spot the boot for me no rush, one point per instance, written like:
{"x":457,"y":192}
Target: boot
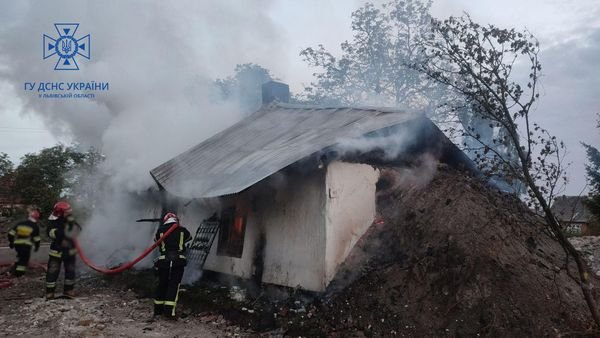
{"x":49,"y":295}
{"x":69,"y":294}
{"x":169,"y":313}
{"x":158,"y":309}
{"x":170,"y":317}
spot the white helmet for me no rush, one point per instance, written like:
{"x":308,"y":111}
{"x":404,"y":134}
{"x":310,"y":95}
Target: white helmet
{"x":170,"y":218}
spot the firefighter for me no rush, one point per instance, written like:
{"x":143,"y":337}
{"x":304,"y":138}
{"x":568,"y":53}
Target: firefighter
{"x":170,"y":265}
{"x":22,"y":237}
{"x":62,"y":229}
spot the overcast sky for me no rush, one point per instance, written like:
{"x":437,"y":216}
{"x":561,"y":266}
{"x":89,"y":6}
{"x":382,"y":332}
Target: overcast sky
{"x":569,"y":32}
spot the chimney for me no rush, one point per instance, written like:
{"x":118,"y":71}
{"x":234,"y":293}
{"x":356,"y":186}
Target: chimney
{"x":272,"y":91}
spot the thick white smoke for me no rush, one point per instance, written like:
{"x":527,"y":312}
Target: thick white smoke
{"x":159,"y":59}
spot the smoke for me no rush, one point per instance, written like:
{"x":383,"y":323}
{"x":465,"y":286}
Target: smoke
{"x":415,"y":177}
{"x":191,"y":276}
{"x":402,"y":147}
{"x":160,"y":59}
{"x":391,"y":145}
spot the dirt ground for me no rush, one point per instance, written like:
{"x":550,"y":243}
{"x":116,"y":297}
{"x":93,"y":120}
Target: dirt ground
{"x":102,"y":309}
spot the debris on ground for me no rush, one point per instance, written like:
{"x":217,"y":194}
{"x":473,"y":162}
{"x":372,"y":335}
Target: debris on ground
{"x":589,"y":246}
{"x":101,"y":310}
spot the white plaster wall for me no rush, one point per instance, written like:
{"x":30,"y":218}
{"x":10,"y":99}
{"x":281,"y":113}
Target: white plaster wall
{"x":310,"y":224}
{"x":291,"y":214}
{"x":350,"y":209}
{"x":294,"y":227}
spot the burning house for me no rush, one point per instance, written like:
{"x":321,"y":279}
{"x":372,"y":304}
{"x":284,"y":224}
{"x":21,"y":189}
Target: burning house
{"x":295,"y":186}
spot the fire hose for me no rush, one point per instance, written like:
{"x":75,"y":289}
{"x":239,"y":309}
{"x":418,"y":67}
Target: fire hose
{"x":125,"y":266}
{"x":4,"y":283}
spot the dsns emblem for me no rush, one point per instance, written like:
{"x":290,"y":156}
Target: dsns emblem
{"x":66,"y":46}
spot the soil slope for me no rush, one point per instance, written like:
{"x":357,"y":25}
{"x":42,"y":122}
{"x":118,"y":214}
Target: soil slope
{"x":455,"y":257}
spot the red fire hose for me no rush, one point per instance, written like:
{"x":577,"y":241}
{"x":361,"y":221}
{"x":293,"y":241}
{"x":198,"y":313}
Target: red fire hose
{"x":4,"y":283}
{"x":126,"y":266}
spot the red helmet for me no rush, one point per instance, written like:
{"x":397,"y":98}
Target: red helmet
{"x":34,"y":214}
{"x":60,"y":209}
{"x":170,"y":218}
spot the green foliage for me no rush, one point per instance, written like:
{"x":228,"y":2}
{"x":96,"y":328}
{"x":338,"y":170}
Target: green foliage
{"x":244,"y":86}
{"x":6,"y":181}
{"x":6,"y":165}
{"x":45,"y":177}
{"x":592,"y":169}
{"x":376,"y":65}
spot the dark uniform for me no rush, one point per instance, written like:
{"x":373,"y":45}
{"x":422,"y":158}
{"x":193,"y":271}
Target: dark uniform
{"x":22,"y":237}
{"x":170,"y":265}
{"x":62,"y":250}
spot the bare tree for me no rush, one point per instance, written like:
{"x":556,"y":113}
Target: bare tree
{"x":478,"y":63}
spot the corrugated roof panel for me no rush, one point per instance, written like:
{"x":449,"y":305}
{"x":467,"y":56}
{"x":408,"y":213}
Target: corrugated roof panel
{"x":571,"y":209}
{"x":264,"y":143}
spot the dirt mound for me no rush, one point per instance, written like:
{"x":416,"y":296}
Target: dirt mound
{"x":454,"y":258}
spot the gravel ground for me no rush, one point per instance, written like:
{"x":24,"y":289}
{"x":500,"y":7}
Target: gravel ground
{"x":589,"y":246}
{"x":100,"y":311}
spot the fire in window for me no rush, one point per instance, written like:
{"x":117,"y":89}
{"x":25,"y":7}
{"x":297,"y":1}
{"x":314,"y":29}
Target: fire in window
{"x":231,"y":233}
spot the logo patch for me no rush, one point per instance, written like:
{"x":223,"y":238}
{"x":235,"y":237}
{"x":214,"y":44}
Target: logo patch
{"x":66,"y":46}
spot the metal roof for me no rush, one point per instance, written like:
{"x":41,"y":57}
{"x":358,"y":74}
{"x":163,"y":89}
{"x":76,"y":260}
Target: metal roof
{"x":265,"y":142}
{"x":571,"y":209}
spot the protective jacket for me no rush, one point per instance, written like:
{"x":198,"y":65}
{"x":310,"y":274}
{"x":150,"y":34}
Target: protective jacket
{"x":61,"y":231}
{"x":172,"y":249}
{"x":26,"y":233}
{"x":22,"y":237}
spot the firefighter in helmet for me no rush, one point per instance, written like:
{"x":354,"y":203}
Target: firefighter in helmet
{"x":22,"y":237}
{"x":62,"y":229}
{"x":170,"y":265}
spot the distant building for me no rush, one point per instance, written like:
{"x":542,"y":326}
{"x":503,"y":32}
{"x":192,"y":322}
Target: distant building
{"x":573,"y":215}
{"x":9,"y":201}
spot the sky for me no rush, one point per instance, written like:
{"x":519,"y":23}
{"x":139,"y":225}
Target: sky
{"x":218,"y":35}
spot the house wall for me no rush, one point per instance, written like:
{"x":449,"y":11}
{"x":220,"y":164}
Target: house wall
{"x":310,"y":222}
{"x":576,"y":228}
{"x":350,"y":209}
{"x":294,"y":227}
{"x":289,"y":211}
